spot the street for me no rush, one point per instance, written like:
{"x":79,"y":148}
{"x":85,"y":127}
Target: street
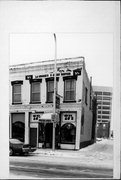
{"x":55,"y":167}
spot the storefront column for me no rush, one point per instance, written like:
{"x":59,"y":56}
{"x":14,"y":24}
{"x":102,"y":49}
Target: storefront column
{"x":26,"y":136}
{"x":78,"y":127}
{"x":10,"y":126}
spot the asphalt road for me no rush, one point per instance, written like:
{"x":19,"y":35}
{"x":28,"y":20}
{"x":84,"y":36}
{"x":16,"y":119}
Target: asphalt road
{"x":55,"y":167}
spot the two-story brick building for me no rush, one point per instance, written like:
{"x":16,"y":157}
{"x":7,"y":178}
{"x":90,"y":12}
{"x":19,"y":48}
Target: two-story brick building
{"x":31,"y":103}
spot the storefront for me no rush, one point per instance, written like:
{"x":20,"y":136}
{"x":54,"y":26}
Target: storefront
{"x":68,"y":130}
{"x":41,"y":130}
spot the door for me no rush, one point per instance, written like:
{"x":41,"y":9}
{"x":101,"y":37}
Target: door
{"x":48,"y":135}
{"x":33,"y":136}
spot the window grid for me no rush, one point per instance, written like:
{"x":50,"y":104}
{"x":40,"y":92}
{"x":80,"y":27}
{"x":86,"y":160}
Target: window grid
{"x":50,"y":90}
{"x":17,"y":93}
{"x":70,"y":88}
{"x":35,"y":92}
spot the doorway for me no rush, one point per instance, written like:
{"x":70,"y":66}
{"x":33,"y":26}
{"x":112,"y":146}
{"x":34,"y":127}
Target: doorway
{"x":48,"y":135}
{"x":33,"y":137}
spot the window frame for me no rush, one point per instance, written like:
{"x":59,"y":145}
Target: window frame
{"x":74,"y":90}
{"x":31,"y":82}
{"x":48,"y":80}
{"x":64,"y":136}
{"x":15,"y":83}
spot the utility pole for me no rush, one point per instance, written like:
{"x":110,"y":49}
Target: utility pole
{"x":54,"y":97}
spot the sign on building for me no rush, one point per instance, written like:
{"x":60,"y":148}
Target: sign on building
{"x":69,"y":117}
{"x":55,"y":118}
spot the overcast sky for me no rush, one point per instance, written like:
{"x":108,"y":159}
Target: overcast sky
{"x":82,"y":29}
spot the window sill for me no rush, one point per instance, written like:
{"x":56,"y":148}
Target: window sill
{"x":35,"y":103}
{"x":69,"y":101}
{"x":16,"y":103}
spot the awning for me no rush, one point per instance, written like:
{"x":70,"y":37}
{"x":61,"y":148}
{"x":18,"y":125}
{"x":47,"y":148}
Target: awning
{"x":46,"y":117}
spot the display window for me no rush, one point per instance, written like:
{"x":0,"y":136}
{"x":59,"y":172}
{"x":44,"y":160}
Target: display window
{"x":68,"y":133}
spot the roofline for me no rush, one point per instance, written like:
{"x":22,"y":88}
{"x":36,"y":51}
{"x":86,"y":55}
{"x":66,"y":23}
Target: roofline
{"x":46,"y":62}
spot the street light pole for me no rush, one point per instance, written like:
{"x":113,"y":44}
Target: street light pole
{"x":54,"y":98}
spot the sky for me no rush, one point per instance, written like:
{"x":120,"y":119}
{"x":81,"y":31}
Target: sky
{"x":92,"y":38}
{"x":97,"y":49}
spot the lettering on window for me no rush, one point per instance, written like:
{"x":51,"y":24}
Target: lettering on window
{"x":68,"y":117}
{"x":36,"y":117}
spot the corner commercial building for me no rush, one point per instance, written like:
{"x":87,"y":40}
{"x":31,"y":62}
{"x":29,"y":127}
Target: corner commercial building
{"x":31,"y":104}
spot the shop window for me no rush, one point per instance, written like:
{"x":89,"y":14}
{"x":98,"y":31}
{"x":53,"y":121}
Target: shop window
{"x":18,"y":126}
{"x":70,"y":90}
{"x":68,"y":133}
{"x":35,"y":92}
{"x":18,"y":130}
{"x":16,"y":91}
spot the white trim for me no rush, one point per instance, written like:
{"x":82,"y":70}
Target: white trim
{"x":67,"y":146}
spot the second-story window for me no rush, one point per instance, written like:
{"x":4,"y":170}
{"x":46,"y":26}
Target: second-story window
{"x":16,"y":92}
{"x":69,"y":90}
{"x":35,"y":92}
{"x":50,"y":88}
{"x":50,"y":91}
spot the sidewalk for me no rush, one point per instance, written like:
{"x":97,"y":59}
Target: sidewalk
{"x":99,"y":154}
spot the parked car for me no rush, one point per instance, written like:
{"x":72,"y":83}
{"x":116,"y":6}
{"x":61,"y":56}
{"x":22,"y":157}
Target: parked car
{"x":18,"y":147}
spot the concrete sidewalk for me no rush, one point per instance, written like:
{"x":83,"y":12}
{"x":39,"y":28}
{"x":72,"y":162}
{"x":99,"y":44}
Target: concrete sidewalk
{"x":99,"y":154}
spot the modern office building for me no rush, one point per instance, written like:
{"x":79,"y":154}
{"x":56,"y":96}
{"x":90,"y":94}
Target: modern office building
{"x":31,"y":104}
{"x":104,"y":110}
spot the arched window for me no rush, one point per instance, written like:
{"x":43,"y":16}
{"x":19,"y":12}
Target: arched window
{"x":18,"y":130}
{"x":68,"y":133}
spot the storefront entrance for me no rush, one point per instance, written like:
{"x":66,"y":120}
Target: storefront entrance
{"x":33,"y":136}
{"x":46,"y":135}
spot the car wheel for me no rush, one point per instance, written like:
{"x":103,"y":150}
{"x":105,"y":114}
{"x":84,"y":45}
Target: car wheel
{"x":10,"y":152}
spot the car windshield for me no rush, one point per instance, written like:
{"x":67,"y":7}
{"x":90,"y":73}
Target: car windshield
{"x":15,"y":141}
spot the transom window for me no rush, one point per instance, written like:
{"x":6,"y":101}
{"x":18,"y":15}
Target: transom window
{"x":70,"y":90}
{"x":35,"y":92}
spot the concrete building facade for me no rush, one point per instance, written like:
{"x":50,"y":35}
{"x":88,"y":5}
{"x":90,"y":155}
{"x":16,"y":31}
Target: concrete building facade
{"x":31,"y":103}
{"x":104,"y":110}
